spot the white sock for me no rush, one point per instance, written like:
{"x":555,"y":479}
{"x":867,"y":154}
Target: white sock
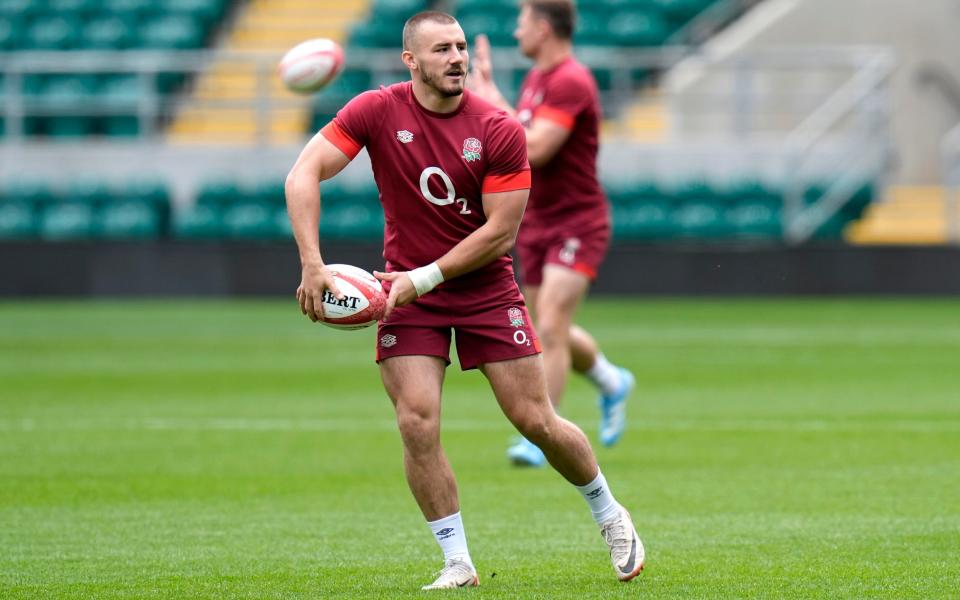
{"x":604,"y":375}
{"x":599,"y":498}
{"x":449,"y":533}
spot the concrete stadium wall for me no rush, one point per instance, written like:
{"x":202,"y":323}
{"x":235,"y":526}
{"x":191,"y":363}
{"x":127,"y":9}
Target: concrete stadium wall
{"x":919,"y":33}
{"x":214,"y":269}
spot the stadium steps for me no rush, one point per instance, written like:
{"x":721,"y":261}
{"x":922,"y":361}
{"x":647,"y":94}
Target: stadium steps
{"x":910,"y":215}
{"x":646,"y":119}
{"x":266,"y":28}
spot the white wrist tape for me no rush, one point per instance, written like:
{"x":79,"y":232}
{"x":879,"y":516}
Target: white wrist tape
{"x":426,"y":278}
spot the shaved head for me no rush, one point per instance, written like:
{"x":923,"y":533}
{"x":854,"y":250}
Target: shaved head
{"x":413,"y":24}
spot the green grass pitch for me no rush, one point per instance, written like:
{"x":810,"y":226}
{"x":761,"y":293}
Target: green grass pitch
{"x":233,"y":449}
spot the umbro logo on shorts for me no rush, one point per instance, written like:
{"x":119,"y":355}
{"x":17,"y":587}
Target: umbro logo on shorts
{"x":388,"y":340}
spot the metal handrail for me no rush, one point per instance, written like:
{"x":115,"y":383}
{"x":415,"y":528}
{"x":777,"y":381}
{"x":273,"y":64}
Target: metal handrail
{"x":951,"y":178}
{"x":801,"y":222}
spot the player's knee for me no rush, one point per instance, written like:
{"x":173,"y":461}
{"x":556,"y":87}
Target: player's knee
{"x":419,"y":430}
{"x":553,"y":327}
{"x":535,"y":426}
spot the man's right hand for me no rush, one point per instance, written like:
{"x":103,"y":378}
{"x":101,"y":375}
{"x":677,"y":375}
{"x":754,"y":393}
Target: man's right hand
{"x":315,"y":280}
{"x":482,"y":63}
{"x":481,"y":80}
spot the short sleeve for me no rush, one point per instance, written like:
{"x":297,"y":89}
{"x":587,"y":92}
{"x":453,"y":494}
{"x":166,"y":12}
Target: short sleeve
{"x":355,"y":123}
{"x":507,"y":166}
{"x":565,"y":97}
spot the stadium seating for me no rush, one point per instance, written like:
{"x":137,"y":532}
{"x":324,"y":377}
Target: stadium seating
{"x":258,"y":211}
{"x":84,"y":209}
{"x":689,"y":210}
{"x":99,"y":25}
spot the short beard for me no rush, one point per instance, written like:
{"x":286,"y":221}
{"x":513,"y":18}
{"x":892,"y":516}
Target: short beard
{"x":446,"y":92}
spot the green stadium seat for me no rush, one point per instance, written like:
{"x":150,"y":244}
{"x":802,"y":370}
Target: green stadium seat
{"x":52,"y":33}
{"x":359,"y":191}
{"x":498,"y":27}
{"x":121,"y":92}
{"x":251,"y":220}
{"x":153,"y":193}
{"x":200,"y":222}
{"x":68,"y":92}
{"x":88,"y":191}
{"x":109,"y":33}
{"x":735,"y":190}
{"x":32,"y":192}
{"x":282,"y":225}
{"x":351,"y":222}
{"x":591,"y":26}
{"x":679,"y":12}
{"x":862,"y":198}
{"x":756,"y":218}
{"x":615,"y":5}
{"x":11,"y":33}
{"x":17,"y":220}
{"x":171,"y":33}
{"x":131,"y":11}
{"x":349,"y":83}
{"x":218,"y":193}
{"x":76,"y":9}
{"x":19,"y":9}
{"x":704,"y":220}
{"x":129,"y":219}
{"x":120,"y":126}
{"x":501,"y":6}
{"x":65,"y":220}
{"x":269,"y":192}
{"x":642,"y":219}
{"x":33,"y":84}
{"x":631,"y":28}
{"x":396,"y":10}
{"x":375,"y":34}
{"x":626,"y":190}
{"x":688,"y":190}
{"x":121,"y":89}
{"x":205,"y":12}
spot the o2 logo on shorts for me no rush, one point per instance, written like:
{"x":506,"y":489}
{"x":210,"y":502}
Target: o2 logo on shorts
{"x":520,"y":338}
{"x":516,"y":319}
{"x":451,"y":193}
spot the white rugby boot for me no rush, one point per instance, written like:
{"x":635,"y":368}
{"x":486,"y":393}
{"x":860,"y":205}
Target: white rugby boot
{"x":455,"y":574}
{"x":626,"y":549}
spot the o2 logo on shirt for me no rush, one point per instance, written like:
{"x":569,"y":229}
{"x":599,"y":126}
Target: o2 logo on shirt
{"x":448,"y":183}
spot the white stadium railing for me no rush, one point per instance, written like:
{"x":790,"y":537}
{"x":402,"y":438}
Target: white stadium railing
{"x":951,"y":179}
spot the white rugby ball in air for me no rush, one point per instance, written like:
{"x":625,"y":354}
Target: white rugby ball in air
{"x":311,"y":65}
{"x":363,"y":302}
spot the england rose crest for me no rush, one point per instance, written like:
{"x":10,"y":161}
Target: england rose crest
{"x":471,"y":149}
{"x":516,"y":316}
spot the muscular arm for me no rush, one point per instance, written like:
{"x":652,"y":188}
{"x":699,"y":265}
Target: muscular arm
{"x":319,"y":160}
{"x":491,"y":240}
{"x":544,"y":140}
{"x":488,"y":242}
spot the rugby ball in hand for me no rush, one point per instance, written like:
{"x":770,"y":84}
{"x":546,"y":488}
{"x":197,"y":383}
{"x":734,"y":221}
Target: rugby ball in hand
{"x":363,"y":299}
{"x":311,"y":65}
